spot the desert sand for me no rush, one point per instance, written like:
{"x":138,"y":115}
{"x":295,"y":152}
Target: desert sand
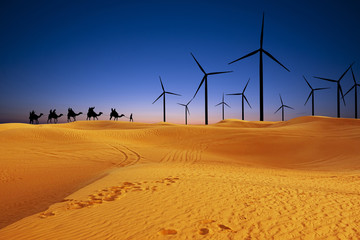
{"x":298,"y":179}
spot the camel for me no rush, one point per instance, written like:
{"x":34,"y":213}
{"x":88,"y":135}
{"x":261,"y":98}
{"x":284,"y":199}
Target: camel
{"x":92,"y":114}
{"x":33,"y":117}
{"x":115,"y":114}
{"x":72,"y":114}
{"x":53,"y":115}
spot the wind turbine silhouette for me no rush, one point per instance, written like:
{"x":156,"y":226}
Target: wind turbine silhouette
{"x":242,"y":98}
{"x":222,"y":103}
{"x":354,"y":87}
{"x":282,"y":107}
{"x":312,"y":94}
{"x":204,"y":79}
{"x":163,"y":94}
{"x":339,"y":89}
{"x":186,"y":109}
{"x":261,"y":51}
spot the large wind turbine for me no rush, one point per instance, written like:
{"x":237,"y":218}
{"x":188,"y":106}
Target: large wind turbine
{"x":312,"y":94}
{"x":163,"y":94}
{"x":261,"y":51}
{"x":204,"y":80}
{"x":223,"y":103}
{"x":339,"y":89}
{"x":186,"y":109}
{"x":355,"y":89}
{"x":282,"y":107}
{"x":242,"y":98}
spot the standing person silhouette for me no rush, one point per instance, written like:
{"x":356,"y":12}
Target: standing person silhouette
{"x":131,"y":118}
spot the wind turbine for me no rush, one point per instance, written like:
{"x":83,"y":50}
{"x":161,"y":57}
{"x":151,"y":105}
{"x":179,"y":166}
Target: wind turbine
{"x":312,"y":94}
{"x":354,"y":86}
{"x":186,"y":109}
{"x":163,"y":94}
{"x":223,"y":103}
{"x":339,"y":89}
{"x":242,"y":98}
{"x":261,"y":51}
{"x":204,"y":79}
{"x":282,"y":107}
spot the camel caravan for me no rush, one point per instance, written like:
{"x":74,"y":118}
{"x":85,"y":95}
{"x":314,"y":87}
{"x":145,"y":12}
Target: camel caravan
{"x":71,"y":115}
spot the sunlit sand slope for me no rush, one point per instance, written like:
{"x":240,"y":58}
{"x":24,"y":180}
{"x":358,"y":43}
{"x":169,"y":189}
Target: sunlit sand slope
{"x":232,"y":180}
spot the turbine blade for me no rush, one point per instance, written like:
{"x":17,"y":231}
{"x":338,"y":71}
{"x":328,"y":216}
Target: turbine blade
{"x":342,"y":94}
{"x":234,"y":94}
{"x":202,"y":81}
{"x":213,"y":73}
{"x":173,"y":93}
{"x":246,"y":85}
{"x":158,"y":97}
{"x":262,"y":32}
{"x":189,"y":102}
{"x":321,"y":88}
{"x":271,"y":56}
{"x":198,"y":64}
{"x":281,"y":100}
{"x":247,"y":101}
{"x":345,"y":72}
{"x":312,"y":92}
{"x":353,"y":75}
{"x":227,"y":104}
{"x":218,"y":104}
{"x":247,"y":55}
{"x":349,"y":90}
{"x":307,"y":82}
{"x":182,"y":104}
{"x":278,"y":109}
{"x":288,"y":107}
{"x":162,"y":84}
{"x":188,"y":110}
{"x":326,"y":79}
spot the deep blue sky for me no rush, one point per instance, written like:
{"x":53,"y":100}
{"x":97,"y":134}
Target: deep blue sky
{"x":109,"y":54}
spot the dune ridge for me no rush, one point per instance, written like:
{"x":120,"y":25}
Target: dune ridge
{"x":235,"y":179}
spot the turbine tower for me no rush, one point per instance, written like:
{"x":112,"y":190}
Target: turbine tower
{"x":163,"y":95}
{"x":312,"y":94}
{"x":186,"y":109}
{"x":282,"y":107}
{"x":223,"y":103}
{"x":242,"y":98}
{"x":204,"y":80}
{"x":355,"y":89}
{"x":261,"y":51}
{"x":339,"y":89}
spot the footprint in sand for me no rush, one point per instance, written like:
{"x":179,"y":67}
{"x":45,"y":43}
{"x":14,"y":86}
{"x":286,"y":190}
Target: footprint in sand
{"x":203,"y":231}
{"x":167,"y":232}
{"x":46,"y":214}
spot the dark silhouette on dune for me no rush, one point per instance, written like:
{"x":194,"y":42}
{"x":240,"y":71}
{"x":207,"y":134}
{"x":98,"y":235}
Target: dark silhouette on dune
{"x":34,"y":118}
{"x":312,"y":94}
{"x":282,"y":107}
{"x":223,"y":103}
{"x":204,"y":80}
{"x":53,"y":116}
{"x":163,"y":94}
{"x":72,"y":114}
{"x":186,"y":109}
{"x":242,"y":98}
{"x":131,"y":118}
{"x":339,"y":89}
{"x":92,"y":114}
{"x":114,"y":114}
{"x":355,"y":89}
{"x":261,"y":51}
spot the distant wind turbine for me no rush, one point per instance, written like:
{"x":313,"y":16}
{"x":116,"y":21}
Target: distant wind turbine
{"x":312,"y":94}
{"x":223,"y":103}
{"x":204,"y":79}
{"x":282,"y":107}
{"x":163,"y":94}
{"x":339,"y":89}
{"x":261,"y":51}
{"x":355,"y":89}
{"x":242,"y":98}
{"x":186,"y":109}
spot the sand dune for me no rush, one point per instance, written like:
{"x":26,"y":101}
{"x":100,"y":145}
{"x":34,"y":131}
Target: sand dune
{"x":297,"y":179}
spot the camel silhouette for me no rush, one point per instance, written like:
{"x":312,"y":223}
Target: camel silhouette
{"x":92,"y":114}
{"x":52,"y":115}
{"x":72,"y":114}
{"x":33,"y":117}
{"x":115,"y":114}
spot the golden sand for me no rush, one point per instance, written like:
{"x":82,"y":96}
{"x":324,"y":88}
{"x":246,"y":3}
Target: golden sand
{"x":298,"y":179}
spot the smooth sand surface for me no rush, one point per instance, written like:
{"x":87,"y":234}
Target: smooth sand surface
{"x":298,"y":179}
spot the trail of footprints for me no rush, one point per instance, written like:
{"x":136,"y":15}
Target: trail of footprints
{"x":111,"y":194}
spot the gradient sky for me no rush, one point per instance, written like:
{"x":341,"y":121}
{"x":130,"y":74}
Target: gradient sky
{"x":109,"y":54}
